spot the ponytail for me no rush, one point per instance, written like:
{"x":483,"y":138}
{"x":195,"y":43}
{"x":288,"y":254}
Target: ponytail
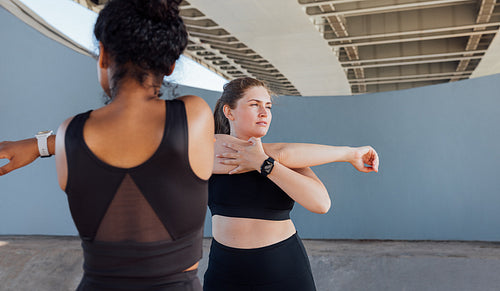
{"x":221,"y":122}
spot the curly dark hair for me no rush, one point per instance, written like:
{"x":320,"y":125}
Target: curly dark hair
{"x":143,"y":37}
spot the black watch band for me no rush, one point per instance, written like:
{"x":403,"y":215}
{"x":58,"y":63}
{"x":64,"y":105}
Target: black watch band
{"x":267,"y":167}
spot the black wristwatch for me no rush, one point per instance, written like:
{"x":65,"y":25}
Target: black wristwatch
{"x":267,"y":167}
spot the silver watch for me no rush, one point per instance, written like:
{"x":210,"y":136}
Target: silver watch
{"x":41,"y":138}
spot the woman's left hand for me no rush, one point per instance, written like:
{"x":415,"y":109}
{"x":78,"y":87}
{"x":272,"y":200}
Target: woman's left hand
{"x":365,"y":159}
{"x":245,"y":158}
{"x":19,"y":153}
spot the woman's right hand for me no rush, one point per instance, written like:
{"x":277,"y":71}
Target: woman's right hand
{"x":244,"y":157}
{"x":19,"y":153}
{"x":365,"y":159}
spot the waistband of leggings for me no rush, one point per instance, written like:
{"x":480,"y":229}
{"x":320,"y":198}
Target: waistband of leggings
{"x":284,"y":242}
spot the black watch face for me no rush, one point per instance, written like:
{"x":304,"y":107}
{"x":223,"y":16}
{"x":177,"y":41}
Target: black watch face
{"x":268,"y":166}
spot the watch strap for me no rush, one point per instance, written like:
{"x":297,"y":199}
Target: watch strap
{"x":43,"y":148}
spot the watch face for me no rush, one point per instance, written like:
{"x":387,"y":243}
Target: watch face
{"x":44,"y":132}
{"x":268,"y":166}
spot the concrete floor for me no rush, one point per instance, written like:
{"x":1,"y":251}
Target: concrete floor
{"x":54,"y":263}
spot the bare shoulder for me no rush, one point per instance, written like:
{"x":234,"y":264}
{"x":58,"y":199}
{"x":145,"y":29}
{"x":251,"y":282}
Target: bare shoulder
{"x":61,"y":162}
{"x":64,"y":126}
{"x":195,"y":103}
{"x":201,"y":135}
{"x":199,"y":114}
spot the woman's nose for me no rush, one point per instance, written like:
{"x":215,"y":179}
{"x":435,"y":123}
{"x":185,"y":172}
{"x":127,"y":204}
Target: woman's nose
{"x":262,"y":111}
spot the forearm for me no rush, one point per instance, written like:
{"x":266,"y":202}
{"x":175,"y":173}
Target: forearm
{"x":21,"y":153}
{"x":301,"y":155}
{"x":51,"y":145}
{"x":303,"y":186}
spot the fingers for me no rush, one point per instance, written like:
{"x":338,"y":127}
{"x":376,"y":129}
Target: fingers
{"x":3,"y":150}
{"x":235,"y":171}
{"x":6,"y":169}
{"x":229,"y":162}
{"x":233,"y":146}
{"x":4,"y":155}
{"x":376,"y":163}
{"x":254,"y":140}
{"x":371,"y":158}
{"x":375,"y":160}
{"x":228,"y":155}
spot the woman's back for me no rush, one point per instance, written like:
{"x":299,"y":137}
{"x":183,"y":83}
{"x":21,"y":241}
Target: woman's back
{"x":142,"y":220}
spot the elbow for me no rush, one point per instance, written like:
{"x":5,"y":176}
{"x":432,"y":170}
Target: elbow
{"x":323,"y":206}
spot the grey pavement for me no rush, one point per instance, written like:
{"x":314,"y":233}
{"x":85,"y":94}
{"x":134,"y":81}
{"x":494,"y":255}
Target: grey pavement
{"x":55,"y":263}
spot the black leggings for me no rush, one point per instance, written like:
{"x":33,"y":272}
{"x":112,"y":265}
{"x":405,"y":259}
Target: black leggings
{"x":281,"y":266}
{"x":185,"y":281}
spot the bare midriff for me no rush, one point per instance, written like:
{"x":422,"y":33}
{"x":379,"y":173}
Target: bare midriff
{"x":249,"y":233}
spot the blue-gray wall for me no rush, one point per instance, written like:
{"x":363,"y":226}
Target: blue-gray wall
{"x":438,"y":146}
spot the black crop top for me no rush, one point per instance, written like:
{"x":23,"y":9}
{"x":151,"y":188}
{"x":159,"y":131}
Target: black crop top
{"x":248,"y":195}
{"x":142,"y":222}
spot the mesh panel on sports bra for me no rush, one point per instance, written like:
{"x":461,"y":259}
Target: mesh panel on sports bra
{"x":130,"y":217}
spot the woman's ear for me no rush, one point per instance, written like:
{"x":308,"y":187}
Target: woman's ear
{"x":228,"y":112}
{"x":171,"y":70}
{"x":103,"y":57}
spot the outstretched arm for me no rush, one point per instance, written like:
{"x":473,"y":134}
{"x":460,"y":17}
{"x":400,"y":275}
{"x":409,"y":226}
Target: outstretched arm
{"x":364,"y":159}
{"x":22,"y":152}
{"x":301,"y":184}
{"x":298,"y":155}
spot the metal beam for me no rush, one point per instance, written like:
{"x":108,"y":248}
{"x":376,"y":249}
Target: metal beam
{"x":240,"y":50}
{"x":203,"y":34}
{"x":413,"y":62}
{"x":219,"y":54}
{"x":404,"y":33}
{"x":421,"y":38}
{"x":460,"y":53}
{"x":332,"y":2}
{"x":394,"y":8}
{"x":395,"y":78}
{"x":231,"y":44}
{"x":407,"y":81}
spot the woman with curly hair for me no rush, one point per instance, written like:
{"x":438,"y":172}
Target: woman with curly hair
{"x":135,"y":171}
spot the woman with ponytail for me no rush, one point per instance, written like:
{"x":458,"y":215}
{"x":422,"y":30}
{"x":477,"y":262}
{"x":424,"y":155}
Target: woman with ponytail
{"x":135,"y":171}
{"x":253,"y":189}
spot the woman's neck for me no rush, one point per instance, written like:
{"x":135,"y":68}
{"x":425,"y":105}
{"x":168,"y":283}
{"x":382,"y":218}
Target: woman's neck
{"x":243,"y":136}
{"x":134,"y":92}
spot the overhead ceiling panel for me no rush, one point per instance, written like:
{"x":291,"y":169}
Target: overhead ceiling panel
{"x":343,"y":47}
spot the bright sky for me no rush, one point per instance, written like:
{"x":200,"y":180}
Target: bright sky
{"x":77,"y":22}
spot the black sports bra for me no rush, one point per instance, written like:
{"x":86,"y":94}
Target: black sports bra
{"x":248,"y":195}
{"x":142,"y":222}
